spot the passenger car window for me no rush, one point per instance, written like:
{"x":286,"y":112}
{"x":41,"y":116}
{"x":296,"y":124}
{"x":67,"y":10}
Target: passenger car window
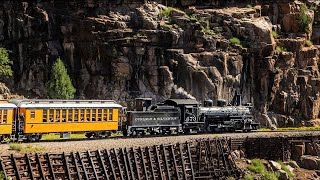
{"x":110,"y":114}
{"x":1,"y":112}
{"x":4,"y":116}
{"x":32,"y":114}
{"x":44,"y":115}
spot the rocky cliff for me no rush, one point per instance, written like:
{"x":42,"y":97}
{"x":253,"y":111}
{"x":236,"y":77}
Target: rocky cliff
{"x":131,"y":48}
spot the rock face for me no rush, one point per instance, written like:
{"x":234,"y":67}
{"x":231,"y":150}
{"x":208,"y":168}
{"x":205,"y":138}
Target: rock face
{"x":126,"y":49}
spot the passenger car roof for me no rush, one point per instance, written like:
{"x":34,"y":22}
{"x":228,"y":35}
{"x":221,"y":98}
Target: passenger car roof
{"x":50,"y":103}
{"x":4,"y":105}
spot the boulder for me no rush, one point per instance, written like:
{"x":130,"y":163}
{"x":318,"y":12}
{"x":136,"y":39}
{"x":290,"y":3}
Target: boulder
{"x":236,"y":154}
{"x":291,"y":169}
{"x":310,"y":162}
{"x":283,"y":175}
{"x":293,"y":164}
{"x":275,"y":166}
{"x":310,"y":149}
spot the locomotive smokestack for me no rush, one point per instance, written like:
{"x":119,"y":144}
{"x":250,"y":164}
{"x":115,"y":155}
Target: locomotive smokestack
{"x":238,"y":100}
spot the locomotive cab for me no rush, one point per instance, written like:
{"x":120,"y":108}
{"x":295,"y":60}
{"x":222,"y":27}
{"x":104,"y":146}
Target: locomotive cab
{"x":142,"y":104}
{"x":189,"y":113}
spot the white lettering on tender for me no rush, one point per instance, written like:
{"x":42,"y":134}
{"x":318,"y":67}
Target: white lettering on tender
{"x":157,"y":119}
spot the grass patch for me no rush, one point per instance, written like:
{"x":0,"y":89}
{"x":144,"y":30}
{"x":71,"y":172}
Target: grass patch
{"x":25,"y":149}
{"x":270,"y":176}
{"x":308,"y":43}
{"x":275,"y":34}
{"x":257,"y":166}
{"x":206,"y":28}
{"x":166,"y":12}
{"x":281,"y":49}
{"x":248,"y":177}
{"x":235,"y":40}
{"x":293,"y":128}
{"x":53,"y":136}
{"x":284,"y":167}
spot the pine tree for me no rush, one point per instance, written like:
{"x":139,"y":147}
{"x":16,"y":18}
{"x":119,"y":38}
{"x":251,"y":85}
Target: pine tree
{"x":5,"y":68}
{"x":60,"y":85}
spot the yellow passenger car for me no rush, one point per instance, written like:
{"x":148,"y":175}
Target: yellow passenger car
{"x":6,"y":119}
{"x":64,"y":116}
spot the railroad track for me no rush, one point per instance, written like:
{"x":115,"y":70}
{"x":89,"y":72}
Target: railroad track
{"x":202,"y":159}
{"x":148,"y":136}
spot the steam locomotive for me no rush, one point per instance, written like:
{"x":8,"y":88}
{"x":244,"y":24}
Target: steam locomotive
{"x":187,"y":116}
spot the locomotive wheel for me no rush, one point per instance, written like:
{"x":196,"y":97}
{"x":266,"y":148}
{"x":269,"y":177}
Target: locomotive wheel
{"x":125,"y":133}
{"x":186,"y":131}
{"x":34,"y":137}
{"x":88,"y":135}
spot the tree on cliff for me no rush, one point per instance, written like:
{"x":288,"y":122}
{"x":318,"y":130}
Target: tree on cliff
{"x":304,"y":19}
{"x":5,"y":68}
{"x":60,"y":85}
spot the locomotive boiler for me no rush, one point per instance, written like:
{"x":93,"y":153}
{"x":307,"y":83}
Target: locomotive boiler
{"x":227,"y":118}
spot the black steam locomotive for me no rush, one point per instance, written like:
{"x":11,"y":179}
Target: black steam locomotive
{"x":186,"y":116}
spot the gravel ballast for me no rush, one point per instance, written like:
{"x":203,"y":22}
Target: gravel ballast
{"x":84,"y":145}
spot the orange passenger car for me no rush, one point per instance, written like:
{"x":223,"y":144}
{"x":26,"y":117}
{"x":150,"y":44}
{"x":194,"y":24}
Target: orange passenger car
{"x":6,"y":119}
{"x":95,"y":117}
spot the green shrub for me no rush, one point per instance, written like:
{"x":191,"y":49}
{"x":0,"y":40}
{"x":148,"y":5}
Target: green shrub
{"x":280,"y":49}
{"x":2,"y":177}
{"x":206,"y":28}
{"x":5,"y":63}
{"x":60,"y":85}
{"x":235,"y":40}
{"x":257,"y":166}
{"x":275,"y":34}
{"x":166,"y":12}
{"x":309,"y":43}
{"x":248,"y":177}
{"x":193,"y":18}
{"x":304,"y":19}
{"x":166,"y":26}
{"x":270,"y":176}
